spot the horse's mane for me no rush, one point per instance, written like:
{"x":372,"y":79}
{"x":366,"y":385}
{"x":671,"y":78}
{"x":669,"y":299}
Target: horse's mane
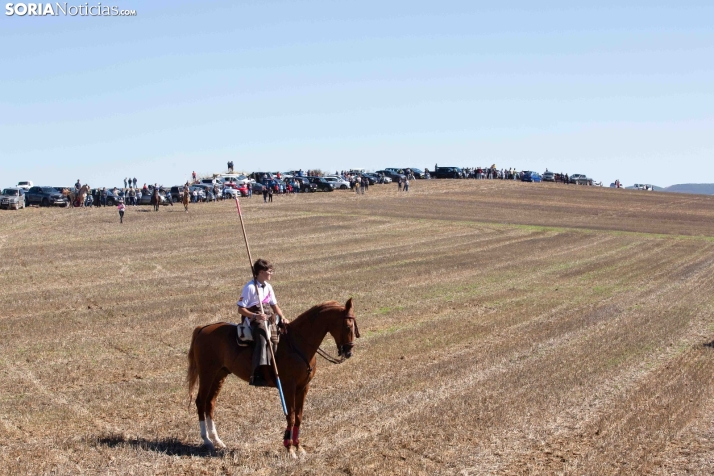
{"x":315,"y":310}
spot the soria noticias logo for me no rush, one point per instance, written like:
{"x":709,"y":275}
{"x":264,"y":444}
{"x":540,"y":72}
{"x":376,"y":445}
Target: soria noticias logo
{"x":64,"y":9}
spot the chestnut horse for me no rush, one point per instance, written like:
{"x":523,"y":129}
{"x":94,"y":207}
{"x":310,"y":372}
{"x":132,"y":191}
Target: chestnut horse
{"x":155,"y":199}
{"x":214,"y":354}
{"x":185,"y":197}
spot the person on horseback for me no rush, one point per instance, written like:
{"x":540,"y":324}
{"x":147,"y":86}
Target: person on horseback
{"x":258,"y":290}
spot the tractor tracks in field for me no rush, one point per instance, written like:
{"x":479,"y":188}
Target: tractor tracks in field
{"x":405,"y":406}
{"x":22,"y":372}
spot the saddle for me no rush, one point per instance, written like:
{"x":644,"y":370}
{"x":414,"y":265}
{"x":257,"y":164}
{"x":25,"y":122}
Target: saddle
{"x":244,"y":334}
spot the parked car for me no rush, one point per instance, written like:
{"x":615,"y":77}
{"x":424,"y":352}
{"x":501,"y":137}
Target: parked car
{"x":371,"y":179}
{"x":418,"y":173}
{"x":25,"y":185}
{"x":234,"y":178}
{"x":258,"y":188}
{"x":322,"y":184}
{"x":448,"y":172}
{"x":176,"y":193}
{"x":115,"y":198}
{"x":306,"y":185}
{"x":278,"y":186}
{"x":212,"y":181}
{"x":394,"y":176}
{"x":548,"y":177}
{"x":145,"y":198}
{"x":207,"y":190}
{"x":200,"y":191}
{"x":12,"y":198}
{"x":230,"y":193}
{"x":529,"y":176}
{"x":243,"y":189}
{"x":258,"y":176}
{"x":338,"y":182}
{"x":580,"y":179}
{"x":378,"y":178}
{"x":230,"y":183}
{"x":45,"y":197}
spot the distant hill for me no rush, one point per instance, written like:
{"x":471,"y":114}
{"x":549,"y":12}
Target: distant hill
{"x":700,"y":188}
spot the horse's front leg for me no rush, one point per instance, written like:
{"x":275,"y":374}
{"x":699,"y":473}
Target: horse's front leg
{"x":289,"y":395}
{"x":299,"y":402}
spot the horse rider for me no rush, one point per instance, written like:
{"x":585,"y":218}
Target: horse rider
{"x":258,"y":290}
{"x":78,"y":186}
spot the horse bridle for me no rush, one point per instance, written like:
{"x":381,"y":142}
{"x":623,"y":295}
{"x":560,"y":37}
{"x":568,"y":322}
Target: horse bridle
{"x":341,"y":350}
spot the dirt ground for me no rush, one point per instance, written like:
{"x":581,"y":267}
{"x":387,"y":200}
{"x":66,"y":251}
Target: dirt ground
{"x":507,"y":328}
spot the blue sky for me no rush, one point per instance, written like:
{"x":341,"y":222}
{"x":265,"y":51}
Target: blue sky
{"x":610,"y":89}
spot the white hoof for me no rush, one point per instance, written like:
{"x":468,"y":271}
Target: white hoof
{"x":301,"y":451}
{"x":291,"y":453}
{"x":219,"y":443}
{"x":208,"y":445}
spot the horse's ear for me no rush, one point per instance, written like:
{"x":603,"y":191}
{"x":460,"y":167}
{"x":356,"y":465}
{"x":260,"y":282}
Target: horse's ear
{"x":348,"y":306}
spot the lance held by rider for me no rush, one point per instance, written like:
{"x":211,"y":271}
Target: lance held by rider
{"x":262,"y":312}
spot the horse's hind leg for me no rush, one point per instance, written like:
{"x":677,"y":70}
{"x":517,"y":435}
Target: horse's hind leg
{"x":211,"y":404}
{"x":205,"y":382}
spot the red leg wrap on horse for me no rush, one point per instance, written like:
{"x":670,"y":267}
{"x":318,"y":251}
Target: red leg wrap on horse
{"x":286,"y":437}
{"x":296,"y":435}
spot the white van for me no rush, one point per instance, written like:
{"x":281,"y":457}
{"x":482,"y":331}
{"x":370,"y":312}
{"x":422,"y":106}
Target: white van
{"x":211,"y":181}
{"x":239,"y":179}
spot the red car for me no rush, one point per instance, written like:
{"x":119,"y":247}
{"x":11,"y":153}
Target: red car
{"x":243,"y":189}
{"x":231,"y":185}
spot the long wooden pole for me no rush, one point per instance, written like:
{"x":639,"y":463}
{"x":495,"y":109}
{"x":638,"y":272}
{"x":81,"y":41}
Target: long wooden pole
{"x":255,"y":282}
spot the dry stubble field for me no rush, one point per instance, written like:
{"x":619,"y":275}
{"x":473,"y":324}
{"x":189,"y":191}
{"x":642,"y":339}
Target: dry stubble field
{"x":507,"y":328}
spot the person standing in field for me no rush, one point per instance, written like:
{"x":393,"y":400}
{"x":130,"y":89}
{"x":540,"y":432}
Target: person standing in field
{"x":121,"y":209}
{"x":406,"y":185}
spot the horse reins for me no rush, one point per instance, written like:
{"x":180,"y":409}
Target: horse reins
{"x":320,"y":352}
{"x":291,"y":333}
{"x":330,"y":358}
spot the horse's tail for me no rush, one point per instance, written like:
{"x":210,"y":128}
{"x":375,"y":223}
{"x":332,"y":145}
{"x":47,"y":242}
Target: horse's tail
{"x":192,"y":373}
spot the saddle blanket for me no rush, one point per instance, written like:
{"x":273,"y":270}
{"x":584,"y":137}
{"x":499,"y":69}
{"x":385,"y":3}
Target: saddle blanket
{"x":245,"y":333}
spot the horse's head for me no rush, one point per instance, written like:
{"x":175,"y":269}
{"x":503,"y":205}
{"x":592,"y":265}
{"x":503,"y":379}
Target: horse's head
{"x":344,"y":330}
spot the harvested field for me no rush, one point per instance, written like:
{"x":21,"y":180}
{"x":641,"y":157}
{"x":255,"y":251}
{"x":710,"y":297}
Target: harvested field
{"x":507,"y":328}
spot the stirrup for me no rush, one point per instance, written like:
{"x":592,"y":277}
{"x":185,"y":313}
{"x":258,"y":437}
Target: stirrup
{"x":258,"y":381}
